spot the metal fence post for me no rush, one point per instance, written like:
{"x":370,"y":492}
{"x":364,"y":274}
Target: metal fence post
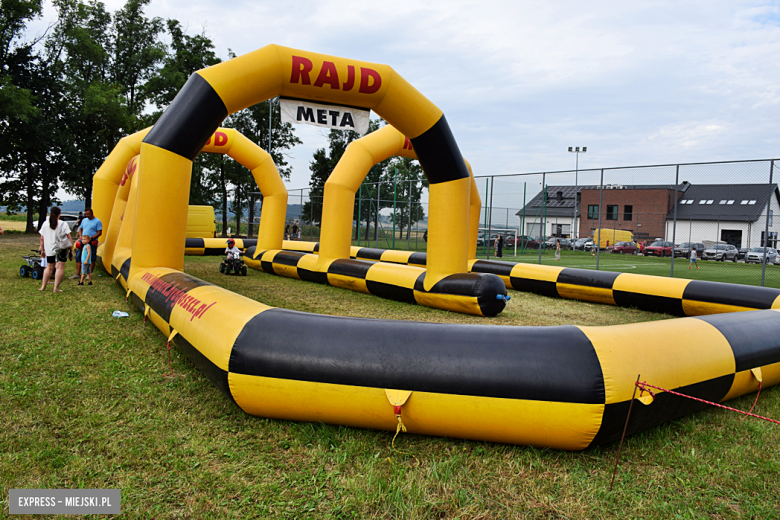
{"x":409,"y":229}
{"x":766,"y":230}
{"x":490,"y":220}
{"x":484,"y":224}
{"x":674,"y":225}
{"x":601,"y":200}
{"x":541,"y":227}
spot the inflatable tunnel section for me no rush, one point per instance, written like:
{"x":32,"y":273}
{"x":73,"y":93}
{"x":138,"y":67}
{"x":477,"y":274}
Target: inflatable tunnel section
{"x":479,"y":294}
{"x":115,"y":258}
{"x":565,"y":387}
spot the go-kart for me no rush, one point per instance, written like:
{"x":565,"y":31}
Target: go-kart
{"x":235,"y":264}
{"x":33,"y":267}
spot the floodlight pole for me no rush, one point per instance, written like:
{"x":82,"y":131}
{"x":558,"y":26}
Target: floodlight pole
{"x":576,"y":150}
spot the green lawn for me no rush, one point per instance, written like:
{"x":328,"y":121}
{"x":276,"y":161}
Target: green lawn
{"x":83,"y":404}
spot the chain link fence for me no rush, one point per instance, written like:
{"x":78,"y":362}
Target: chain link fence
{"x":643,"y":220}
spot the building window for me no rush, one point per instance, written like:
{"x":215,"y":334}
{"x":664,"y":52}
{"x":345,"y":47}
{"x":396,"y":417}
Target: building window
{"x":593,"y":211}
{"x":612,"y":212}
{"x":628,"y":212}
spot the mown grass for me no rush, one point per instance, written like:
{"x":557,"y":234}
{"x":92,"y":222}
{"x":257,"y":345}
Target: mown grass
{"x":83,"y":404}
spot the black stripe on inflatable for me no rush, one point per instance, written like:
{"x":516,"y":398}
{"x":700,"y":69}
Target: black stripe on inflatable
{"x":290,"y":258}
{"x":249,"y":242}
{"x":484,"y":287}
{"x":125,"y":269}
{"x":312,"y":276}
{"x":267,"y":267}
{"x":477,"y":360}
{"x":162,"y":301}
{"x":114,"y":272}
{"x":369,"y":253}
{"x":588,"y":277}
{"x":137,"y":301}
{"x":213,"y":251}
{"x":731,"y":294}
{"x":215,"y":374}
{"x":390,"y":291}
{"x":649,"y":302}
{"x":190,"y":120}
{"x":352,"y":268}
{"x":665,"y":407}
{"x":754,"y":336}
{"x":194,"y":243}
{"x":418,"y":259}
{"x":493,"y":267}
{"x":316,"y":248}
{"x":542,"y":287}
{"x":439,"y":155}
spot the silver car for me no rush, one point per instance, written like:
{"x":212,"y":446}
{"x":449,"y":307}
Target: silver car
{"x":721,"y":252}
{"x":756,"y":255}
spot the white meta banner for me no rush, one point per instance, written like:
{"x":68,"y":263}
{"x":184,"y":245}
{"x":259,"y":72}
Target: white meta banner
{"x":328,"y":116}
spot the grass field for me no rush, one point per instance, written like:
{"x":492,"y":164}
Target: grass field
{"x":83,"y":404}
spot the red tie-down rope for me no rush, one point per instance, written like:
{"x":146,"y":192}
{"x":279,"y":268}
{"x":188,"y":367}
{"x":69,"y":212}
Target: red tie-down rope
{"x":644,"y":386}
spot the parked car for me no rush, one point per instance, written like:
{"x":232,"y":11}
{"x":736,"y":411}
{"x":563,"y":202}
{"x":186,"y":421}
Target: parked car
{"x":756,"y":256}
{"x":721,"y":252}
{"x":684,"y":249}
{"x":659,"y":248}
{"x":624,"y":248}
{"x":523,"y":241}
{"x":588,"y":245}
{"x":742,"y":252}
{"x":579,"y":244}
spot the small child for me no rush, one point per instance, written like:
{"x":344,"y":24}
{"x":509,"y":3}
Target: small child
{"x":694,"y":259}
{"x":86,"y":259}
{"x":231,"y":250}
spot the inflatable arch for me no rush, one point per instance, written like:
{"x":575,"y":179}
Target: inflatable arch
{"x":394,"y":280}
{"x":566,"y":387}
{"x":111,"y":182}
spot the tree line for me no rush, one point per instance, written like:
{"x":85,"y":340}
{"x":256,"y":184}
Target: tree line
{"x":67,"y":97}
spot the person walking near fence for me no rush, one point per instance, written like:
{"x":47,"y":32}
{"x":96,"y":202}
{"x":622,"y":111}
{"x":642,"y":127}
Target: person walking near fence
{"x":295,"y":232}
{"x":55,"y":245}
{"x":499,"y":246}
{"x":694,"y":259}
{"x":557,"y":250}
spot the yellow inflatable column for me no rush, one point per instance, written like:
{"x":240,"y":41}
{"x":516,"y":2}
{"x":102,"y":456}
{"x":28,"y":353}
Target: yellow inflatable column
{"x":339,"y":198}
{"x":161,"y":209}
{"x":106,"y":249}
{"x":475,"y":207}
{"x":269,"y":182}
{"x":106,"y":181}
{"x":120,"y":260}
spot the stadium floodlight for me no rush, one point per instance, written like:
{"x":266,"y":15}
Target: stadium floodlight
{"x":577,"y":152}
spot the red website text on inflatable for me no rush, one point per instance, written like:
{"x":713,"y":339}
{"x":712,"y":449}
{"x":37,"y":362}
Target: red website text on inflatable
{"x":172,"y":293}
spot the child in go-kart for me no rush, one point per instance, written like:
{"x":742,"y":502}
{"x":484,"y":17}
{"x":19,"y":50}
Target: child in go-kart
{"x":231,"y":250}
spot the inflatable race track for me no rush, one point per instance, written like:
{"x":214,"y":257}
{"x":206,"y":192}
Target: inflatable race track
{"x":565,"y":387}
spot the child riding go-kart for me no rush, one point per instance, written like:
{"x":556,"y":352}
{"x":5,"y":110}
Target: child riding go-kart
{"x":232,"y":261}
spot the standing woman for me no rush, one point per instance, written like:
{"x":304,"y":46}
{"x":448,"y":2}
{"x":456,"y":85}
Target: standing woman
{"x":55,"y":245}
{"x":557,"y":250}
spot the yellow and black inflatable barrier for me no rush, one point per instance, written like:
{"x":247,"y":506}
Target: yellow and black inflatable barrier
{"x":565,"y":387}
{"x":470,"y":293}
{"x":675,"y":296}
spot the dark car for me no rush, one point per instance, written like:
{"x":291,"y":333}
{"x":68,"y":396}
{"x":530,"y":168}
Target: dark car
{"x":523,"y":241}
{"x":624,"y":248}
{"x":684,"y":249}
{"x":659,"y":248}
{"x":742,"y":252}
{"x":579,"y":244}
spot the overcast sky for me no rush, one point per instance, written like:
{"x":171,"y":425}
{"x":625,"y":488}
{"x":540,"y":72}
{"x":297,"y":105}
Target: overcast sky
{"x":521,"y":81}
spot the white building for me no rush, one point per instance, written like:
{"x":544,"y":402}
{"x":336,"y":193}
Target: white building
{"x":732,"y":213}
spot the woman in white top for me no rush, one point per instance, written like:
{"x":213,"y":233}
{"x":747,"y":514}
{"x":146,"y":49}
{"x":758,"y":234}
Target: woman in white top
{"x":55,"y":244}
